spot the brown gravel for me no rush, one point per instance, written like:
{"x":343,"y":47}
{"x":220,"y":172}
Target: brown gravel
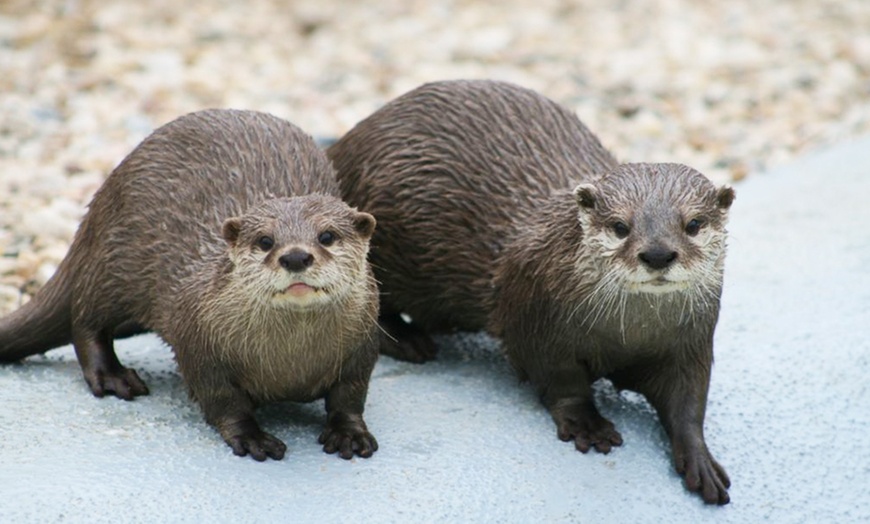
{"x":728,"y":87}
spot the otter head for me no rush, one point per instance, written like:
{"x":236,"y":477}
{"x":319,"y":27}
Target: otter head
{"x":655,"y":228}
{"x":300,"y":252}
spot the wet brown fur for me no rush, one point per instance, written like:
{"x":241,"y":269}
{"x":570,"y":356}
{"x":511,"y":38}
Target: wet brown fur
{"x":496,"y":209}
{"x":169,"y":244}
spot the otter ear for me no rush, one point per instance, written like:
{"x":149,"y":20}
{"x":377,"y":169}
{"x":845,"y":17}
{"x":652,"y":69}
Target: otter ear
{"x":364,"y":224}
{"x":586,"y":195}
{"x":725,"y":197}
{"x":231,"y":228}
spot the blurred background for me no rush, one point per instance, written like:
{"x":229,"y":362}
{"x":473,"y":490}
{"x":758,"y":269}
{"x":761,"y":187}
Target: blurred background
{"x":731,"y":88}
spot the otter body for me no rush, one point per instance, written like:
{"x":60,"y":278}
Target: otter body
{"x":499,"y":210}
{"x":224,"y":233}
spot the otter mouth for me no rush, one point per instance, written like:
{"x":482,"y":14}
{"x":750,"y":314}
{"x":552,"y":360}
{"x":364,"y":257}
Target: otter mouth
{"x":658,"y":285}
{"x":299,"y":290}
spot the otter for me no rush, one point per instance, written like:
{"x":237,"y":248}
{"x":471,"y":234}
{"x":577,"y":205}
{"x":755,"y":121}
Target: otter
{"x":499,"y":210}
{"x":225,"y":234}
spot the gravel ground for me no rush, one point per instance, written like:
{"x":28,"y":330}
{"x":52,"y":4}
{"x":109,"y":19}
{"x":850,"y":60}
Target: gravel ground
{"x":730,"y":88}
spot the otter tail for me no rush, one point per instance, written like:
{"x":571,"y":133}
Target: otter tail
{"x":43,"y":323}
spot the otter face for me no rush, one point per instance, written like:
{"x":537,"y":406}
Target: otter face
{"x":300,"y":252}
{"x":655,"y":228}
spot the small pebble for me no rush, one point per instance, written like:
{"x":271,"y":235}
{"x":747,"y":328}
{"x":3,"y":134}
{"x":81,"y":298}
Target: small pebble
{"x":730,"y":88}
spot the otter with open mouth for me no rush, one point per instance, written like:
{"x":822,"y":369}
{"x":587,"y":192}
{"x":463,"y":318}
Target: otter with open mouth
{"x":222,"y":232}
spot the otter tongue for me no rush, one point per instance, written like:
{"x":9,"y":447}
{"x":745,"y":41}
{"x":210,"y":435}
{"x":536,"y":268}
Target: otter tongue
{"x":299,"y":288}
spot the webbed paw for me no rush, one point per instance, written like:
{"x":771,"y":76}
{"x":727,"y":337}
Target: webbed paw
{"x":258,"y":444}
{"x":586,"y":427}
{"x":702,"y":474}
{"x":122,"y":382}
{"x":347,"y":435}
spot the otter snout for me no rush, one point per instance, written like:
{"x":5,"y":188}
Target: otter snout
{"x":658,"y":258}
{"x":296,"y":261}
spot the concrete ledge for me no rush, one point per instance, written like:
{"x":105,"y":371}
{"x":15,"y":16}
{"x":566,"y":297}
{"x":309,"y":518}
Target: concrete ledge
{"x":461,"y":441}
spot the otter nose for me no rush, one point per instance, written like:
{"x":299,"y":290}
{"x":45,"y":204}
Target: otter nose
{"x":658,"y":258}
{"x":296,"y":260}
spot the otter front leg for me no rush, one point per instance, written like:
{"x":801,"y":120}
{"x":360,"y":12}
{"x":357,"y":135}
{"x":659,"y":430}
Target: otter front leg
{"x":100,"y":365}
{"x":230,"y":410}
{"x":679,"y":394}
{"x":567,"y":394}
{"x":346,"y":432}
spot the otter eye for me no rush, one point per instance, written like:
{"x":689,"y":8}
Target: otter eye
{"x":694,"y":226}
{"x":326,"y":239}
{"x":621,"y":229}
{"x":265,"y":243}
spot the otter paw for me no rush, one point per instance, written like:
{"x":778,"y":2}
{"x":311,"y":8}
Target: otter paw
{"x":259,"y":444}
{"x":347,"y":435}
{"x":124,"y":383}
{"x":588,"y":431}
{"x":703,"y":475}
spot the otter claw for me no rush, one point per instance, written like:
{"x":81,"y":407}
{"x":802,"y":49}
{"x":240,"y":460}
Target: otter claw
{"x":123,"y":383}
{"x":348,"y":437}
{"x":259,"y":445}
{"x":602,"y":441}
{"x":703,"y":475}
{"x":587,"y":428}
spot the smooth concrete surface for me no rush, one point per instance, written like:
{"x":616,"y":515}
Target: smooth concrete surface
{"x":462,"y":441}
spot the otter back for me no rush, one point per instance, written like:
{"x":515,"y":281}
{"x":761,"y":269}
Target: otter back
{"x":449,"y":169}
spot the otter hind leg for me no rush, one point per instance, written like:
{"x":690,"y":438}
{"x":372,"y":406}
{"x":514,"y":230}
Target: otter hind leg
{"x":101,"y":368}
{"x":405,"y":340}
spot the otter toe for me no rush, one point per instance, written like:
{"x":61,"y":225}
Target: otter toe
{"x":603,"y":441}
{"x":123,"y":383}
{"x":348,"y":439}
{"x":259,"y":445}
{"x":587,"y":428}
{"x":703,"y":475}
